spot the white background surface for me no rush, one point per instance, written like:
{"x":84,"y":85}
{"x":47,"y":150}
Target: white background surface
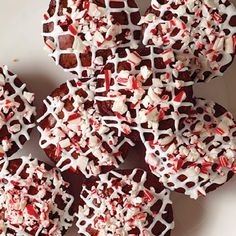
{"x":20,"y":39}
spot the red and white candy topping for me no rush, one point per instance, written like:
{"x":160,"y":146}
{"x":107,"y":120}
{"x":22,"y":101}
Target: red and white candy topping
{"x":16,"y":113}
{"x":203,"y":32}
{"x":124,"y":203}
{"x":83,"y":28}
{"x":33,"y":198}
{"x":72,"y":132}
{"x":200,"y":156}
{"x":123,"y":90}
{"x":133,"y":96}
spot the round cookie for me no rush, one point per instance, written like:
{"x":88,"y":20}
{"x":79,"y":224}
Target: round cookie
{"x":34,"y":198}
{"x":125,"y":202}
{"x":81,"y":34}
{"x":201,"y":33}
{"x":132,"y":96}
{"x":17,"y":113}
{"x":72,"y":132}
{"x":200,"y":156}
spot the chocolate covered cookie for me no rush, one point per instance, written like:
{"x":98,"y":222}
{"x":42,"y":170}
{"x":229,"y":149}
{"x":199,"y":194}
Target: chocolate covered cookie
{"x":201,"y":33}
{"x":73,"y":134}
{"x":34,"y":198}
{"x":81,"y":35}
{"x":200,"y":156}
{"x":125,"y":202}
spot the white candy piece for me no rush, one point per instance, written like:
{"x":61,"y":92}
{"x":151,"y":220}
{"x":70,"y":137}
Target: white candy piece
{"x":78,"y":45}
{"x":64,"y":143}
{"x":29,"y":96}
{"x":229,"y":45}
{"x":15,"y":128}
{"x":98,"y":61}
{"x":119,"y":105}
{"x":2,"y":80}
{"x":145,"y":72}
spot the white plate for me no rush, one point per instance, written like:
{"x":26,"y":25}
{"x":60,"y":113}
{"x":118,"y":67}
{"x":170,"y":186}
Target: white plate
{"x":20,"y":39}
